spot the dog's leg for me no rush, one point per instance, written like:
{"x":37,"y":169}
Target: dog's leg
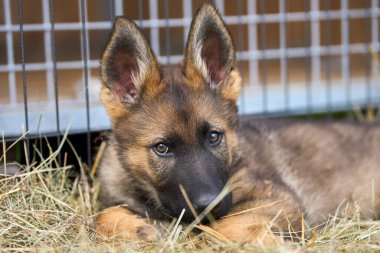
{"x":259,"y":224}
{"x":121,"y":224}
{"x":246,"y":229}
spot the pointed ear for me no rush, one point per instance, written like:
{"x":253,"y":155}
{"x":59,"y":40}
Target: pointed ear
{"x":210,"y":51}
{"x":127,"y":62}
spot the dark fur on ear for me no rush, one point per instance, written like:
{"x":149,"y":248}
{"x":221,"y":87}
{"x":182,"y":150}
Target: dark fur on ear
{"x":209,"y":47}
{"x":127,"y":62}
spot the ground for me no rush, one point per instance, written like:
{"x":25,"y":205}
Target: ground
{"x":51,"y":208}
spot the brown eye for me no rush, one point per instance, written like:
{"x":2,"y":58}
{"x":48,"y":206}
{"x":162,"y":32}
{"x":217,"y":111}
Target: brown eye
{"x":215,"y":138}
{"x":162,"y":150}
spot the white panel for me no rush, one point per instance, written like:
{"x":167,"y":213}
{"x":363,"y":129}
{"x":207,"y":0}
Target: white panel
{"x":10,"y":52}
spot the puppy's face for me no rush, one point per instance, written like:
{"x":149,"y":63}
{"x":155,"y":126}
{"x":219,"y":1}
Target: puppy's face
{"x":175,"y":127}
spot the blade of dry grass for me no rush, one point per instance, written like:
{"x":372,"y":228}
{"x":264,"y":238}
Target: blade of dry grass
{"x":98,"y":157}
{"x":57,"y":216}
{"x":252,"y":209}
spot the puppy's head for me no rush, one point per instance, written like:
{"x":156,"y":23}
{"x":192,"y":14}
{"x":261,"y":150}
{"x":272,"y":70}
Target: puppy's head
{"x":175,"y":126}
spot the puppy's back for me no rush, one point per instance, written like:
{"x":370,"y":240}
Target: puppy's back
{"x":323,"y":164}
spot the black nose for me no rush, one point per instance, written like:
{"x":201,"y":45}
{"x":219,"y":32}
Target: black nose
{"x":203,"y":201}
{"x":222,"y":208}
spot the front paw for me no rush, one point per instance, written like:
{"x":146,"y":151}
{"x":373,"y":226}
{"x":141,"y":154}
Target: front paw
{"x":118,"y":223}
{"x":148,"y":233}
{"x":242,"y":231}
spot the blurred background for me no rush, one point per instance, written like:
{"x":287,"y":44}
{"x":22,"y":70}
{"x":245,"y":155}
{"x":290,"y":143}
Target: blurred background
{"x":296,"y":57}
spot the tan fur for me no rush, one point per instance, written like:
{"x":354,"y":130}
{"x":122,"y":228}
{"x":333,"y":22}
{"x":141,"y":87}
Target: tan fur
{"x":268,"y":209}
{"x":243,"y":230}
{"x":196,"y":67}
{"x":120,"y":224}
{"x":115,"y":108}
{"x":137,"y":158}
{"x":281,"y":171}
{"x":147,"y":62}
{"x":232,"y":90}
{"x":148,"y":72}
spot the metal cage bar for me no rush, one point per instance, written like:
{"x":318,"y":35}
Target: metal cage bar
{"x":375,"y":48}
{"x":327,"y":38}
{"x":296,"y":52}
{"x":54,"y":70}
{"x":167,"y":32}
{"x":284,"y":52}
{"x":24,"y":84}
{"x":220,"y":5}
{"x":253,"y":43}
{"x":261,"y":93}
{"x":239,"y":47}
{"x":154,"y":32}
{"x":85,"y":57}
{"x":187,"y":10}
{"x":345,"y":51}
{"x":367,"y":35}
{"x":155,"y":22}
{"x":119,"y":7}
{"x":315,"y":43}
{"x":307,"y":60}
{"x":264,"y":57}
{"x":48,"y":50}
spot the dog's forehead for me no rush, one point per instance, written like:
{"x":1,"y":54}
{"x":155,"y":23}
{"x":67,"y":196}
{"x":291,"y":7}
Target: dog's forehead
{"x":180,"y":108}
{"x":172,"y":74}
{"x":189,"y":98}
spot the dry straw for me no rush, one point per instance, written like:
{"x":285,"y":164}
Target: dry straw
{"x":50,"y":208}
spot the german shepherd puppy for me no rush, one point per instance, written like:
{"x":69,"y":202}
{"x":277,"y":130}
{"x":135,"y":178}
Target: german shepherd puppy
{"x":177,"y":127}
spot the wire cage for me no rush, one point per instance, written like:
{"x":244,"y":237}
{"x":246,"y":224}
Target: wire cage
{"x":295,"y":56}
